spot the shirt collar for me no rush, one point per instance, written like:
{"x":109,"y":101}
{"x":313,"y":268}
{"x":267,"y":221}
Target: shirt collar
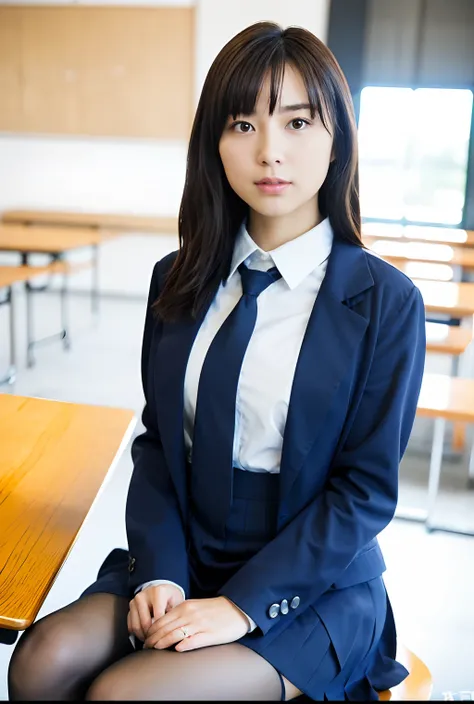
{"x":295,"y":260}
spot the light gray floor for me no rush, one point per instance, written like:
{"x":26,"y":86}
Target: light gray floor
{"x":429,"y":577}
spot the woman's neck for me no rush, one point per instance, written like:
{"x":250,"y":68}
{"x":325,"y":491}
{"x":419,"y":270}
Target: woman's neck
{"x":272,"y":232}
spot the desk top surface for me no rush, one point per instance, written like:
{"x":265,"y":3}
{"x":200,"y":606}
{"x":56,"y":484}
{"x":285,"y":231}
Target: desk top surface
{"x":440,"y":235}
{"x":21,"y":238}
{"x":10,"y":275}
{"x":52,"y":465}
{"x":91,"y":219}
{"x":443,"y":396}
{"x":448,"y":297}
{"x":396,"y":250}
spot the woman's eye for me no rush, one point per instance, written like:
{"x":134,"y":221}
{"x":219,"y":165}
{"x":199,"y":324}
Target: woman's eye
{"x":242,"y":127}
{"x":299,"y":124}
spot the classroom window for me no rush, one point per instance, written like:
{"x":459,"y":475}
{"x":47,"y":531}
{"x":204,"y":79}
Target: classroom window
{"x":414,"y":148}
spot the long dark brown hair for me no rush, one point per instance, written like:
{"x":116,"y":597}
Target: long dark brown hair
{"x":211,"y":212}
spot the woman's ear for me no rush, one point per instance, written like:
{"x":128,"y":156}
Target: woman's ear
{"x":333,"y":155}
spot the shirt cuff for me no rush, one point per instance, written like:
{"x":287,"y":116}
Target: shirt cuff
{"x":252,"y":624}
{"x":156,"y":582}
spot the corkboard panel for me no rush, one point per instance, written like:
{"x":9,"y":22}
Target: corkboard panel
{"x":99,"y":71}
{"x":10,"y":68}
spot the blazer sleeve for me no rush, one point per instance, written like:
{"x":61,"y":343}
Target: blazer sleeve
{"x":155,"y":529}
{"x":360,"y":494}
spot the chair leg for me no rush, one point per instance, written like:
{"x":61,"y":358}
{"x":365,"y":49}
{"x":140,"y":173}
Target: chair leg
{"x":435,"y":467}
{"x":471,"y":468}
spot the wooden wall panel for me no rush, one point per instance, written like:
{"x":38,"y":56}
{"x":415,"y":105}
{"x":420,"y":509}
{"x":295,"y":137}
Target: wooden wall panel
{"x":51,"y":56}
{"x":10,"y":70}
{"x":103,"y":71}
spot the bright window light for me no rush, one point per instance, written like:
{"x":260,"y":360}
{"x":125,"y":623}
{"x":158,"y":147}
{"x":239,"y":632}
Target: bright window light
{"x":413,"y":148}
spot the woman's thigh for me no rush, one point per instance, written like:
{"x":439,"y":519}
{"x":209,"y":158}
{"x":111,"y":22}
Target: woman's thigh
{"x":222,"y":672}
{"x":59,"y":655}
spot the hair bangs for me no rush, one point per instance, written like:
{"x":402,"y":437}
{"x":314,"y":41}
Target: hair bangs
{"x":244,"y":83}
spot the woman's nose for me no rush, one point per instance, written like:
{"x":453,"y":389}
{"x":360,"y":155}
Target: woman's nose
{"x":270,"y":151}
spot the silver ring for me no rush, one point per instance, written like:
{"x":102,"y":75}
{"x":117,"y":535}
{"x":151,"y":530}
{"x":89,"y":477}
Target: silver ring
{"x":185,"y":632}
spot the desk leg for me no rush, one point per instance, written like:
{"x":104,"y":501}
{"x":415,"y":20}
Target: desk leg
{"x":10,"y":376}
{"x":63,"y":334}
{"x":426,"y":517}
{"x":468,"y":371}
{"x":64,"y":313}
{"x":435,"y":467}
{"x":471,"y":468}
{"x":459,"y":429}
{"x":12,"y":335}
{"x":95,"y":280}
{"x":30,"y":360}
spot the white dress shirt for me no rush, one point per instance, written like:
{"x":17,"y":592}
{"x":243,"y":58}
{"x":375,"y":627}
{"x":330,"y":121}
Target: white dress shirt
{"x":268,"y":368}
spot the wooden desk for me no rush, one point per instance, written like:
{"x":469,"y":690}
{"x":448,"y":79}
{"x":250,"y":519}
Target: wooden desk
{"x":139,"y":223}
{"x":9,"y":276}
{"x":442,"y":235}
{"x":49,"y":240}
{"x":53,"y":462}
{"x":447,"y":339}
{"x":447,"y":297}
{"x":445,"y":399}
{"x":433,"y":271}
{"x":396,"y":251}
{"x":56,"y":242}
{"x":457,"y":301}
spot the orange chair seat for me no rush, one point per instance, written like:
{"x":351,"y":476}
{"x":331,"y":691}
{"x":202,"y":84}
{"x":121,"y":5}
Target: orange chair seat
{"x":417,"y":686}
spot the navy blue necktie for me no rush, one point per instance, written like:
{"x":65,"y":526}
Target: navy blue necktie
{"x":214,"y":423}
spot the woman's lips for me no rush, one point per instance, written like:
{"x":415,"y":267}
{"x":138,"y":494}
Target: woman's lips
{"x":273,"y":188}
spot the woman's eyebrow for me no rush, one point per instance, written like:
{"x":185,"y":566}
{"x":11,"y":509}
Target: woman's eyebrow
{"x":284,"y":108}
{"x":296,"y":106}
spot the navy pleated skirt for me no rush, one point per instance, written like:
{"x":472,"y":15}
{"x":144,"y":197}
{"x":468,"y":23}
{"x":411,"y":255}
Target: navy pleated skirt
{"x":342,"y":647}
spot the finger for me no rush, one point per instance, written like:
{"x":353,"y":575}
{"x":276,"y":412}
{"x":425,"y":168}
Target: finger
{"x":158,"y":604}
{"x":199,"y":640}
{"x":166,"y":623}
{"x":144,"y":612}
{"x":136,"y":627}
{"x":166,"y":640}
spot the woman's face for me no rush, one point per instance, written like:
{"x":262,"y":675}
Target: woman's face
{"x":288,"y":145}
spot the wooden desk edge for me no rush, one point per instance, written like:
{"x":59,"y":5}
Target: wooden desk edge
{"x":464,"y":416}
{"x":20,"y":624}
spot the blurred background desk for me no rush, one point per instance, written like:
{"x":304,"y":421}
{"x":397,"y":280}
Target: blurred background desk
{"x":57,"y":243}
{"x":372,"y":231}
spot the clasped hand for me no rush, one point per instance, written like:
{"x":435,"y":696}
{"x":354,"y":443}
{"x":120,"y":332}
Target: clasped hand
{"x":158,"y":615}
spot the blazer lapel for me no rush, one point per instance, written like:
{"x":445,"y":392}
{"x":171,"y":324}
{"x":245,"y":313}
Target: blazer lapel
{"x":172,"y":356}
{"x":334,"y":331}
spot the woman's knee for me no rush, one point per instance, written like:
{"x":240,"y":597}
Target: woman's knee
{"x":46,"y":652}
{"x":108,"y":687}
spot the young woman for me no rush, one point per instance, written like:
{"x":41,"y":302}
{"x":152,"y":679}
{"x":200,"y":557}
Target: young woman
{"x":281,"y":365}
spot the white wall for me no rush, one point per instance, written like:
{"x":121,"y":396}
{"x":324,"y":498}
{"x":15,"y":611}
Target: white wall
{"x":91,"y":174}
{"x":217,"y":21}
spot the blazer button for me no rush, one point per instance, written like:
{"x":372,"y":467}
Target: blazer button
{"x":295,"y":602}
{"x":274,"y":610}
{"x":131,"y":564}
{"x":284,"y":607}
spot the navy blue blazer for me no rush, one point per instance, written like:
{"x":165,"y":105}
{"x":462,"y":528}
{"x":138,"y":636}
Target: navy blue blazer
{"x":352,"y":407}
